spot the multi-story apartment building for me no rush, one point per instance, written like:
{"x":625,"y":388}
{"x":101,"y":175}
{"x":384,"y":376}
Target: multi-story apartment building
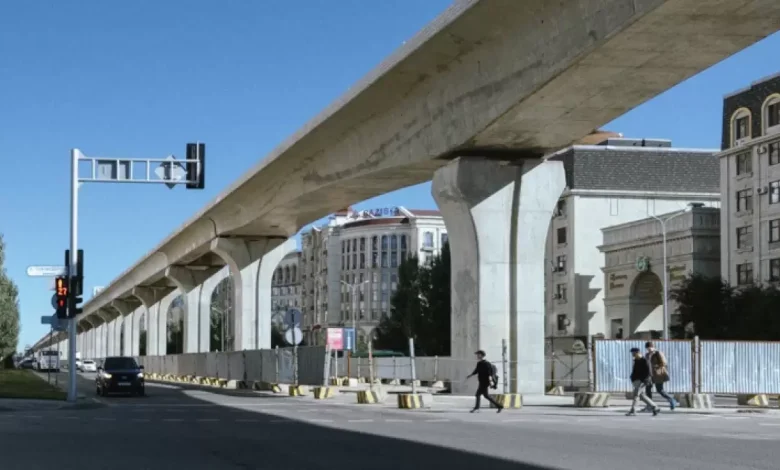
{"x":350,"y":267}
{"x":286,"y":284}
{"x":616,"y":181}
{"x":750,"y":184}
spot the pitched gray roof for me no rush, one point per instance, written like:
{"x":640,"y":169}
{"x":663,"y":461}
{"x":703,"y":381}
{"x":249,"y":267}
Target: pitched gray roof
{"x":641,"y":169}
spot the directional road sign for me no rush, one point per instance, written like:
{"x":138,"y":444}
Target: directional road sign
{"x":293,"y":318}
{"x":47,"y":319}
{"x":173,"y":171}
{"x":349,"y":339}
{"x":46,"y":271}
{"x":293,"y":336}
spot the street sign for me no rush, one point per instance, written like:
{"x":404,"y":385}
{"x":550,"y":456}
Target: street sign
{"x":172,"y":171}
{"x":293,"y":318}
{"x":48,"y":319}
{"x":349,"y":339}
{"x":293,"y":336}
{"x":335,"y":338}
{"x":46,"y":271}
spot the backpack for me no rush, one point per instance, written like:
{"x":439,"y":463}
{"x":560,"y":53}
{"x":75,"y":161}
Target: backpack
{"x":494,"y":374}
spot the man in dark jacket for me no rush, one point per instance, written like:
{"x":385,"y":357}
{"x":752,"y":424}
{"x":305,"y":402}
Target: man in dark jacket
{"x":484,"y":373}
{"x":641,"y":377}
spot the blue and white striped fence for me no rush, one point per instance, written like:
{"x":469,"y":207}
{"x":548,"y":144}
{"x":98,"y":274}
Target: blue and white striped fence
{"x":614,"y":362}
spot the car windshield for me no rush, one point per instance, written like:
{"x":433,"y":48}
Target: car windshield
{"x":120,"y":363}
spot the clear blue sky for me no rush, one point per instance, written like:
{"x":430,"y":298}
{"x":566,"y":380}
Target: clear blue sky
{"x":140,"y":79}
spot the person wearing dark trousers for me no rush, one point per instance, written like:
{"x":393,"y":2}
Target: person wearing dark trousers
{"x":640,"y":378}
{"x":660,"y":374}
{"x":485,"y":374}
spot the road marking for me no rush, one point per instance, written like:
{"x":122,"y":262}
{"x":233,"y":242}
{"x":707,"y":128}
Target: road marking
{"x":173,"y":420}
{"x":207,"y":420}
{"x":769,"y":424}
{"x":735,"y":417}
{"x":360,"y":421}
{"x":398,"y":420}
{"x":247,"y":420}
{"x":437,"y":420}
{"x":104,"y":419}
{"x":318,"y":420}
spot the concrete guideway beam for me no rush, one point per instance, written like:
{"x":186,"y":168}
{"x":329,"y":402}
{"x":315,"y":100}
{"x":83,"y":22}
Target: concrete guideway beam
{"x":497,"y":217}
{"x":246,"y":259}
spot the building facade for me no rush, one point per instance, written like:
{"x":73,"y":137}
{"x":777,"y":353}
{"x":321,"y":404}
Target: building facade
{"x":286,"y":284}
{"x":616,"y":181}
{"x":633,"y":267}
{"x":350,"y":267}
{"x":750,"y":184}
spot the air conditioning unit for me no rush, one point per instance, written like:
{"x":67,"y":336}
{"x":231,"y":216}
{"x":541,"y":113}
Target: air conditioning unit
{"x":741,"y":142}
{"x":762,"y":190}
{"x":557,"y":296}
{"x":762,"y":149}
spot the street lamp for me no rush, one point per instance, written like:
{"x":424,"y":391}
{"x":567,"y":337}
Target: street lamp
{"x":353,"y":288}
{"x":663,"y":222}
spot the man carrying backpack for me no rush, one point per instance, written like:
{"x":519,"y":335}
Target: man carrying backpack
{"x":486,"y":373}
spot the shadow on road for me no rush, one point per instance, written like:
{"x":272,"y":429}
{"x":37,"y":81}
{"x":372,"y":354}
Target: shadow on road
{"x":218,"y":436}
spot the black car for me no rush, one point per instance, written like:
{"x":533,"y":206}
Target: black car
{"x":120,"y":375}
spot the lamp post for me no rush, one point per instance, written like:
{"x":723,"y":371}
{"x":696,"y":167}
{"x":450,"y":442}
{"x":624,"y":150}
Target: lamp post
{"x":663,"y":222}
{"x":353,"y":288}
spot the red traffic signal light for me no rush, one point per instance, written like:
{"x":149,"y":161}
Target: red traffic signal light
{"x":61,"y":292}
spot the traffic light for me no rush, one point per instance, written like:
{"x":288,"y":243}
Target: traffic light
{"x":78,"y":286}
{"x":196,"y":170}
{"x":61,"y":293}
{"x":74,"y":299}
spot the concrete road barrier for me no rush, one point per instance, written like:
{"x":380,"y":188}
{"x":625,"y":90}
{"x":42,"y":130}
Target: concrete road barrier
{"x":266,"y":387}
{"x":591,"y":400}
{"x":321,"y":393}
{"x":694,"y":400}
{"x":367,"y":397}
{"x":508,"y":400}
{"x":413,"y":401}
{"x":557,"y":390}
{"x":297,"y":390}
{"x":757,"y":400}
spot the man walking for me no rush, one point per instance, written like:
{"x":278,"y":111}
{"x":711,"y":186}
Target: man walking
{"x":640,"y":378}
{"x":659,"y":372}
{"x":485,"y":374}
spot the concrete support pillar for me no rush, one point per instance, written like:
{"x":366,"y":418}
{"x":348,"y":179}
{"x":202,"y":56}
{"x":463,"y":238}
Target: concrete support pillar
{"x":149,"y":298}
{"x":189,"y":283}
{"x":161,"y":309}
{"x":204,"y":307}
{"x":105,"y":333}
{"x":124,"y":308}
{"x":135,"y":325}
{"x":252,"y":324}
{"x":497,"y":216}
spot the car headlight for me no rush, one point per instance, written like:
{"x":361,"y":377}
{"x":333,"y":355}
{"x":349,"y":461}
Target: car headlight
{"x":106,"y":375}
{"x":140,"y":375}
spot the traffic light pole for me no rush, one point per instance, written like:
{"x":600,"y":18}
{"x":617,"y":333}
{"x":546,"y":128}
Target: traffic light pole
{"x":120,"y":171}
{"x":74,"y":254}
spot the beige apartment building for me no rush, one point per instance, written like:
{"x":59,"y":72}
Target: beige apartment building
{"x":750,"y":184}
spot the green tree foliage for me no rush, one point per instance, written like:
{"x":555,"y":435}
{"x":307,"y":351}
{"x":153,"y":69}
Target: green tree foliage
{"x":712,"y":309}
{"x":9,"y":310}
{"x":420,"y":308}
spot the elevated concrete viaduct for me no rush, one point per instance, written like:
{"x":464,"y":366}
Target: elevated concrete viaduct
{"x":474,"y":101}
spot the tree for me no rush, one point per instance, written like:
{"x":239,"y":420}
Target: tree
{"x":419,"y":308}
{"x":711,"y":309}
{"x":9,"y":310}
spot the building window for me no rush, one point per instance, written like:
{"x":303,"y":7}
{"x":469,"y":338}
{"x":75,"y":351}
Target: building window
{"x":561,"y":235}
{"x":428,"y":240}
{"x":774,"y":269}
{"x":560,"y":263}
{"x":741,"y":125}
{"x":560,"y":291}
{"x":444,"y":239}
{"x":374,"y":259}
{"x":744,"y":200}
{"x":362,"y":260}
{"x":384,"y":259}
{"x":403,"y":242}
{"x":745,"y":274}
{"x":744,"y":163}
{"x":394,"y":242}
{"x":774,"y":192}
{"x":560,"y":209}
{"x":772,"y":114}
{"x":374,"y":242}
{"x":745,"y":237}
{"x":362,"y":244}
{"x":774,"y":152}
{"x":774,"y":231}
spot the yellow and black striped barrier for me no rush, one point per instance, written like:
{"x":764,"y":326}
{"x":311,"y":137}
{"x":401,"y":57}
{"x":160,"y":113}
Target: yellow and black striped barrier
{"x":410,"y":401}
{"x":321,"y":393}
{"x":556,"y":390}
{"x":297,"y":390}
{"x":756,"y":400}
{"x":701,"y":401}
{"x":367,"y":397}
{"x":591,"y":400}
{"x":266,"y":387}
{"x":508,"y":400}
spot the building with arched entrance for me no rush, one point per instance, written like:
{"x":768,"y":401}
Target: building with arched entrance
{"x":633,"y":267}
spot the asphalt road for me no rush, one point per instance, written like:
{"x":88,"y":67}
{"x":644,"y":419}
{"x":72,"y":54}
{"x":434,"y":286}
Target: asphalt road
{"x":198,"y":429}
